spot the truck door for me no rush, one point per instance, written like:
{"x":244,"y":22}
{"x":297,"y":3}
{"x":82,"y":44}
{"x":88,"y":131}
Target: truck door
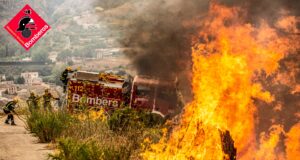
{"x":165,"y":100}
{"x":143,"y":97}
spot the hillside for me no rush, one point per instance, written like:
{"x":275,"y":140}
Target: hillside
{"x":84,"y":28}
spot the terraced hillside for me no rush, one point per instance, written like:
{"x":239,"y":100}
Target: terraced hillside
{"x":77,"y":25}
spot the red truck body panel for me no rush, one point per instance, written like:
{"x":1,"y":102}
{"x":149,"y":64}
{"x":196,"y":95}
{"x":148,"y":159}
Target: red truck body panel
{"x":90,"y":93}
{"x":90,"y":89}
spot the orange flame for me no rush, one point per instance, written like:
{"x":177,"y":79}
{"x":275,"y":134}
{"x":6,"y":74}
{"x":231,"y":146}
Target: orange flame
{"x":225,"y":62}
{"x":293,"y":143}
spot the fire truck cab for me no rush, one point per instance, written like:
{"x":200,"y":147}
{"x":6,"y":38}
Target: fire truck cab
{"x":154,"y":95}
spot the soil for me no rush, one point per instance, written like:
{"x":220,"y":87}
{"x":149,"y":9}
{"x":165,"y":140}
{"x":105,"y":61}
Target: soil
{"x":16,"y":143}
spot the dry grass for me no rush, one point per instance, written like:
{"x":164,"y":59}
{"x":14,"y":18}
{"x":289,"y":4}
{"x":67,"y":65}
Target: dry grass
{"x":88,"y":135}
{"x":122,"y":143}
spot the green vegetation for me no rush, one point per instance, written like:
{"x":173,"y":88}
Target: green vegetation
{"x":92,"y":135}
{"x":40,"y":55}
{"x":9,"y":78}
{"x":53,"y":74}
{"x":48,"y":126}
{"x":20,"y":80}
{"x":87,"y":51}
{"x":56,"y":73}
{"x":127,"y":119}
{"x":73,"y":150}
{"x":64,"y":55}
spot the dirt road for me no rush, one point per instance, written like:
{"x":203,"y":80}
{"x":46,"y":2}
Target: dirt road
{"x":17,"y":144}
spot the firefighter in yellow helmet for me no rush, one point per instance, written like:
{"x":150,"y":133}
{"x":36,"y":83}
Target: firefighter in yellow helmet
{"x":9,"y":109}
{"x":47,"y":100}
{"x":64,"y":77}
{"x":32,"y":102}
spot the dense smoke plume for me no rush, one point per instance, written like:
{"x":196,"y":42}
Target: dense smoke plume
{"x":267,"y":9}
{"x":161,"y":33}
{"x":160,"y":37}
{"x":161,"y":41}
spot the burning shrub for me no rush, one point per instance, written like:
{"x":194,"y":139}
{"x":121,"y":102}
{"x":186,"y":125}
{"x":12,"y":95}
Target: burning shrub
{"x":96,"y":139}
{"x":228,"y":56}
{"x":90,"y":124}
{"x":92,"y":135}
{"x":128,"y":118}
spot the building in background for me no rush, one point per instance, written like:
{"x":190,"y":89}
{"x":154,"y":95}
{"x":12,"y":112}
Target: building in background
{"x":6,"y":82}
{"x":26,"y":59}
{"x":31,"y":78}
{"x":2,"y":77}
{"x":53,"y":56}
{"x":102,"y":53}
{"x":10,"y":89}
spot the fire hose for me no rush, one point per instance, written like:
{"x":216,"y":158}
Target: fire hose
{"x":23,"y":120}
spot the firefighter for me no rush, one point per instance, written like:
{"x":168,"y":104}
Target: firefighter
{"x":64,"y":77}
{"x":9,"y":109}
{"x":47,"y":100}
{"x":32,"y":102}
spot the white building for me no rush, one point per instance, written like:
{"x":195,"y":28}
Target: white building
{"x":2,"y":77}
{"x":7,"y":82}
{"x":31,"y":78}
{"x":9,"y":88}
{"x":53,"y":56}
{"x":26,"y":59}
{"x":103,"y":53}
{"x":12,"y":89}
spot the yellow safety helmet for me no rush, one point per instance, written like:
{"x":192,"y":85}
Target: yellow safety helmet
{"x":69,"y":68}
{"x":32,"y":94}
{"x":16,"y":99}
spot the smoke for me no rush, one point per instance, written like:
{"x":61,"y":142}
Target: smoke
{"x":161,"y":38}
{"x":161,"y":32}
{"x":269,"y":10}
{"x":161,"y":42}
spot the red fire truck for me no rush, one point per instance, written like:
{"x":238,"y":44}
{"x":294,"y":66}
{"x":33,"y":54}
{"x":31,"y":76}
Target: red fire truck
{"x":110,"y":91}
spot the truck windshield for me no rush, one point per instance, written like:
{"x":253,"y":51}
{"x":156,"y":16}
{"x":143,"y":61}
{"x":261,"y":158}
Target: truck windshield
{"x":144,"y":91}
{"x":166,"y":93}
